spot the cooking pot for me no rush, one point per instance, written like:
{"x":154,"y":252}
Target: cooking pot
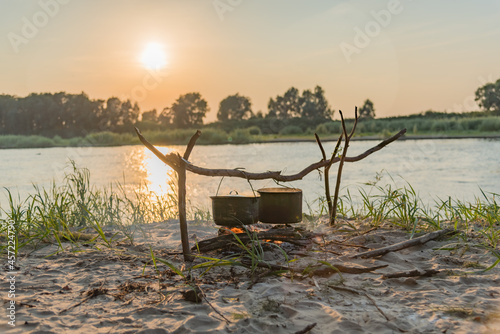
{"x":280,"y":205}
{"x":235,"y":210}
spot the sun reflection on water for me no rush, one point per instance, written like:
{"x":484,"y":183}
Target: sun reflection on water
{"x":159,"y":176}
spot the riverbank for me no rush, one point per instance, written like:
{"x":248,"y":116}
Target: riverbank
{"x":209,"y":137}
{"x":144,"y":285}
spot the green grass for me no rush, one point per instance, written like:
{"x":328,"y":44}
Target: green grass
{"x":63,"y":213}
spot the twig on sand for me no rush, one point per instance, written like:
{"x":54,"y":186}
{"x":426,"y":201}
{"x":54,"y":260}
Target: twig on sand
{"x":90,"y":294}
{"x":405,"y":244}
{"x":204,"y":296}
{"x":307,"y":329}
{"x":376,"y":306}
{"x":344,"y":269}
{"x":343,"y":288}
{"x":413,"y":273}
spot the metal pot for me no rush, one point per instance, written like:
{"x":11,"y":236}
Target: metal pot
{"x":235,"y":210}
{"x":280,"y":205}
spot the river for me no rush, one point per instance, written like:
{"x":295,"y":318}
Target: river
{"x":436,"y":169}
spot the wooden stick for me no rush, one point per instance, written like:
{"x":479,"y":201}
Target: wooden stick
{"x":182,"y":214}
{"x":333,"y":214}
{"x":307,"y":329}
{"x":405,"y":244}
{"x":327,"y":170}
{"x":191,"y":144}
{"x":345,"y":269}
{"x":173,"y":160}
{"x":181,"y":184}
{"x":170,"y":159}
{"x":413,"y":273}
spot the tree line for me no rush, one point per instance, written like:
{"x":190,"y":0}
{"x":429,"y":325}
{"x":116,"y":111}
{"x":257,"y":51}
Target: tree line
{"x":72,"y":115}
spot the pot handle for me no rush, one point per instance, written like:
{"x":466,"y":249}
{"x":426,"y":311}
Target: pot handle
{"x":222,"y":179}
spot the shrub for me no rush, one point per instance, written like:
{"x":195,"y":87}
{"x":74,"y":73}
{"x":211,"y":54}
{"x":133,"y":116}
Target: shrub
{"x":240,"y":136}
{"x":213,"y":136}
{"x":490,"y":124}
{"x":291,"y":130}
{"x":254,"y":130}
{"x":440,"y":126}
{"x":105,"y":138}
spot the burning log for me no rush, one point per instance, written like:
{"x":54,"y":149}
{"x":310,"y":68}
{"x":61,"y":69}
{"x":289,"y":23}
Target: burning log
{"x":281,"y":235}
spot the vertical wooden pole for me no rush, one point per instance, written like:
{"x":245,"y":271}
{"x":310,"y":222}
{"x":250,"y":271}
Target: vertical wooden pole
{"x":342,"y":160}
{"x":181,"y":173}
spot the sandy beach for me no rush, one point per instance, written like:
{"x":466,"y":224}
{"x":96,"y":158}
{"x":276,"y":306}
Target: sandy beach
{"x":93,"y":288}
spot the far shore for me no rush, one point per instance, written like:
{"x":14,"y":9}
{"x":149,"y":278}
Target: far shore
{"x":363,"y":138}
{"x":20,"y":142}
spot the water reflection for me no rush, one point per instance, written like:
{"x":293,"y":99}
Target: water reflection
{"x":157,"y":175}
{"x":437,"y":169}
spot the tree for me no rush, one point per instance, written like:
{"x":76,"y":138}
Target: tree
{"x":8,"y":115}
{"x":150,"y":116}
{"x":286,"y":106}
{"x":367,"y":110}
{"x":489,"y":96}
{"x":313,"y":105}
{"x":188,"y":110}
{"x":235,"y":107}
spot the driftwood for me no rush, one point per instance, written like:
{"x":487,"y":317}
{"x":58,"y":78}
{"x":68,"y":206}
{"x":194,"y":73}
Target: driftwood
{"x":323,"y":271}
{"x":181,"y":164}
{"x":405,"y":244}
{"x":326,"y":271}
{"x":413,"y":273}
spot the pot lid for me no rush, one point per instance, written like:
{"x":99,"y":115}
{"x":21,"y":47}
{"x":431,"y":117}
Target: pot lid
{"x":233,"y":196}
{"x":279,"y":190}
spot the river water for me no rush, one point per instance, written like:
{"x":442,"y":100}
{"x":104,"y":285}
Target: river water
{"x":436,"y":169}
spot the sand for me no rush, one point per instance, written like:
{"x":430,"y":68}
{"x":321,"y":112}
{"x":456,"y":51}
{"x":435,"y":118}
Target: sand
{"x":96,"y":289}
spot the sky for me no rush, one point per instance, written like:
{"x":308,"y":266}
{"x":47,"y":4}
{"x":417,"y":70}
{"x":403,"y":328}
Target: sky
{"x":406,"y":56}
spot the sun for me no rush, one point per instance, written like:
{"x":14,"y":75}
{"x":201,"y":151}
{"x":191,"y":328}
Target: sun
{"x":154,"y":56}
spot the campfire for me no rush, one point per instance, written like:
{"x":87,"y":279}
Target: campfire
{"x":277,"y":234}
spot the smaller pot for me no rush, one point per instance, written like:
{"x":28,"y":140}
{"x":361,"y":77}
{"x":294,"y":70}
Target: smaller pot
{"x":235,"y":210}
{"x":280,"y":205}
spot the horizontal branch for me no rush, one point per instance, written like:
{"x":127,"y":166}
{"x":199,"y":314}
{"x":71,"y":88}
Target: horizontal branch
{"x":276,"y":175}
{"x":170,"y":159}
{"x":175,"y":161}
